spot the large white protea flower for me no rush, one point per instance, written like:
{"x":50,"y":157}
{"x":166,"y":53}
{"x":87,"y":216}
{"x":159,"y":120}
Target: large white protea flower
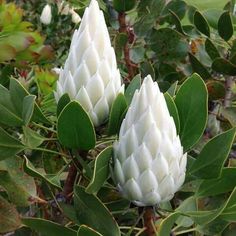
{"x":46,"y":15}
{"x":90,"y":75}
{"x":149,"y":164}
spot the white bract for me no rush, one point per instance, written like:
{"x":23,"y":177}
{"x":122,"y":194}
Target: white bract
{"x":46,"y":15}
{"x":149,"y":164}
{"x":74,"y":16}
{"x":90,"y":75}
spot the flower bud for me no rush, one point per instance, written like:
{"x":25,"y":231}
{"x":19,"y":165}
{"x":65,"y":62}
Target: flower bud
{"x":75,"y":17}
{"x":46,"y":15}
{"x":149,"y":164}
{"x":90,"y":74}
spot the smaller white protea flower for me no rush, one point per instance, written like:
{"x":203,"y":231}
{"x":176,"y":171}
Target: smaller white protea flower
{"x":149,"y":164}
{"x":75,"y":16}
{"x":46,"y":15}
{"x":90,"y":74}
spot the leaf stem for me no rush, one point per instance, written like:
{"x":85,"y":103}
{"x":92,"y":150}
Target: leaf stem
{"x":44,"y":127}
{"x":149,"y":219}
{"x":185,"y":231}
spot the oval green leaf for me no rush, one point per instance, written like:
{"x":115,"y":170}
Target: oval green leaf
{"x":191,"y":101}
{"x":211,"y":49}
{"x":225,"y":26}
{"x":84,"y":230}
{"x":124,"y":5}
{"x":224,"y":66}
{"x":75,"y":129}
{"x":201,"y":23}
{"x":211,"y":160}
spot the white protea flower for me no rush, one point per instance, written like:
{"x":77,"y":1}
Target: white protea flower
{"x":46,"y":15}
{"x":90,"y":75}
{"x":149,"y":164}
{"x":75,"y":16}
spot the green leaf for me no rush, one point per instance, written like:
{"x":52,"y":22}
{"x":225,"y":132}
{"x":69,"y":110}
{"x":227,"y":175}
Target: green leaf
{"x":173,"y":110}
{"x":177,"y":22}
{"x":20,"y":187}
{"x":198,"y":67}
{"x":91,"y":211}
{"x":146,"y":68}
{"x":9,"y":217}
{"x":230,"y":114}
{"x":101,"y":171}
{"x":75,"y":129}
{"x":216,"y":90}
{"x":225,"y":26}
{"x":212,"y":16}
{"x":84,"y":230}
{"x":168,"y":44}
{"x":211,"y":49}
{"x":118,"y":109}
{"x":224,"y":66}
{"x":211,"y":160}
{"x":134,"y":84}
{"x":63,"y":101}
{"x":201,"y":23}
{"x":9,"y":146}
{"x":167,"y":224}
{"x":124,"y":5}
{"x":191,"y":102}
{"x":32,"y":171}
{"x":46,"y":227}
{"x":28,"y":108}
{"x":31,"y":138}
{"x":8,"y":114}
{"x":172,"y":89}
{"x":217,"y":186}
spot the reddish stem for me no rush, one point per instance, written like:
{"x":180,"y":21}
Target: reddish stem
{"x":149,"y":219}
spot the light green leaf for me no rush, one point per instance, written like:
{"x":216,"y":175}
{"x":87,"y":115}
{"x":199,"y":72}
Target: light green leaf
{"x":191,"y":102}
{"x":173,"y":110}
{"x":20,"y":187}
{"x":28,"y":108}
{"x":9,"y":146}
{"x":46,"y":227}
{"x":31,"y":138}
{"x":210,"y":161}
{"x":92,"y":212}
{"x":84,"y":230}
{"x":101,"y":171}
{"x":172,"y":89}
{"x":118,"y":109}
{"x":9,"y":217}
{"x":75,"y":129}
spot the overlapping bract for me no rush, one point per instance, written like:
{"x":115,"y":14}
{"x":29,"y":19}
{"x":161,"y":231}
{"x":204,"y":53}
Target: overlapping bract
{"x":149,"y":164}
{"x":90,"y":75}
{"x":46,"y":15}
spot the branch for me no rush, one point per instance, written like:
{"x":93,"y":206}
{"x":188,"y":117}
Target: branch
{"x":149,"y":219}
{"x":228,"y":86}
{"x":131,"y":67}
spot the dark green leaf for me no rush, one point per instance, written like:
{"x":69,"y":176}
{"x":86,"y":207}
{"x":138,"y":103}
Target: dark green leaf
{"x":101,"y":171}
{"x":124,"y":5}
{"x":177,"y":22}
{"x":75,"y":129}
{"x":211,"y":160}
{"x":191,"y":102}
{"x":9,"y":217}
{"x":84,"y":230}
{"x":212,"y":16}
{"x":173,"y":110}
{"x":146,"y":68}
{"x":220,"y":185}
{"x":46,"y":228}
{"x":63,"y":101}
{"x":201,"y":23}
{"x":198,"y":67}
{"x":216,"y":90}
{"x":28,"y":108}
{"x":118,"y":108}
{"x":91,"y":211}
{"x":224,"y":66}
{"x":134,"y":84}
{"x":9,"y":146}
{"x":168,"y":44}
{"x":225,"y":26}
{"x":211,"y":49}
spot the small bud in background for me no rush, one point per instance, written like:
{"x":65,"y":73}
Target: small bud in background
{"x":149,"y":163}
{"x":213,"y":124}
{"x":90,"y":74}
{"x":46,"y":15}
{"x":75,"y":17}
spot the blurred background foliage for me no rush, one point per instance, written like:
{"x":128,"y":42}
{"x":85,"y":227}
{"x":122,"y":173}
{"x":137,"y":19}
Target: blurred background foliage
{"x":167,"y":39}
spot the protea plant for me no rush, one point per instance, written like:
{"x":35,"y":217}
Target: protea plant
{"x":90,"y":74}
{"x":149,"y":163}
